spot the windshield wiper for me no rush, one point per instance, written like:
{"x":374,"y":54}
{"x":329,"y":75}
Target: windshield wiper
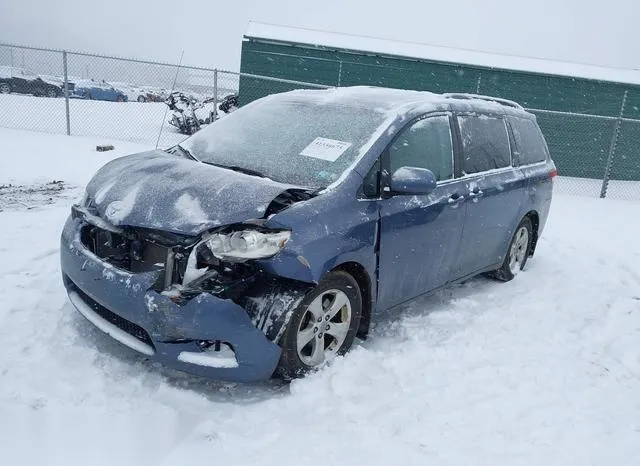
{"x":246,"y":171}
{"x":186,"y":152}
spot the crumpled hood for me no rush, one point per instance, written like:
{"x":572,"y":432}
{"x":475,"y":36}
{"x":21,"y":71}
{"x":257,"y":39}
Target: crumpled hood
{"x":165,"y":192}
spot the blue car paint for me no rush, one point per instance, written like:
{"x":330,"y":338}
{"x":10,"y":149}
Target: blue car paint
{"x":405,"y":226}
{"x":385,"y":237}
{"x":98,"y":93}
{"x":205,"y":317}
{"x":489,"y":219}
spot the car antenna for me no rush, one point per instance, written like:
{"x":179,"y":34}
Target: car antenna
{"x":173,"y":87}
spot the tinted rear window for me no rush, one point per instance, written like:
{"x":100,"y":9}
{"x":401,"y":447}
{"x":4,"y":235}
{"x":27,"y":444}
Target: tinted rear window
{"x":485,"y":143}
{"x":530,"y":145}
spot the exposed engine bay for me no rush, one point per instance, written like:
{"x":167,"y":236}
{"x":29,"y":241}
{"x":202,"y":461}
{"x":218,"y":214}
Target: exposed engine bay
{"x":220,"y":262}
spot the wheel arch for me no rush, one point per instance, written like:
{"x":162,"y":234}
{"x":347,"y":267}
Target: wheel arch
{"x":360,"y":275}
{"x":535,"y":224}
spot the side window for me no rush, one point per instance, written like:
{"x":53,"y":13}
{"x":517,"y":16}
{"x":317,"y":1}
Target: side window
{"x":485,"y":143}
{"x":425,"y":144}
{"x":371,"y":184}
{"x":530,"y":145}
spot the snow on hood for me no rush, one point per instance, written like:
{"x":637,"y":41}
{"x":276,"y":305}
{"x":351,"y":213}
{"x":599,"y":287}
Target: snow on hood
{"x":161,"y":191}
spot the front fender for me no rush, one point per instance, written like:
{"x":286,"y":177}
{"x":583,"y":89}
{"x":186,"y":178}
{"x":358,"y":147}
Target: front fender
{"x":319,"y":246}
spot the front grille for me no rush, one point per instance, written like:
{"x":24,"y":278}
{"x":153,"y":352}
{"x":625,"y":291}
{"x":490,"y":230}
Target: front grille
{"x":120,"y":322}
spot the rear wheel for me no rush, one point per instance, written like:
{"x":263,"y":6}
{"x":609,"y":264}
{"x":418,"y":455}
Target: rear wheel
{"x":518,"y":252}
{"x":322,"y":327}
{"x":5,"y":88}
{"x":141,"y":99}
{"x":52,"y":93}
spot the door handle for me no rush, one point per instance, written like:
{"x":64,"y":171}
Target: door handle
{"x":476,"y":193}
{"x":455,"y":198}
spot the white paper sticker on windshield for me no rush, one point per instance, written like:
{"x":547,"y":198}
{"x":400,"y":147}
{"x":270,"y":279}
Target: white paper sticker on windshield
{"x":326,"y":149}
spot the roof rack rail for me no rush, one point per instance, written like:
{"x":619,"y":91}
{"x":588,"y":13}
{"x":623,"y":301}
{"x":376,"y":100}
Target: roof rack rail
{"x":508,"y":103}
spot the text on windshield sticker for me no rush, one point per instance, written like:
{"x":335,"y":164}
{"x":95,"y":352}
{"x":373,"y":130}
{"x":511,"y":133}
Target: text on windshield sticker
{"x":325,"y":149}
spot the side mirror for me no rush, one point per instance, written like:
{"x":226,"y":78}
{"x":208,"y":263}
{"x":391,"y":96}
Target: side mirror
{"x":413,"y":180}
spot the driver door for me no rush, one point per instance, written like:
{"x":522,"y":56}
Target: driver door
{"x":420,"y":234}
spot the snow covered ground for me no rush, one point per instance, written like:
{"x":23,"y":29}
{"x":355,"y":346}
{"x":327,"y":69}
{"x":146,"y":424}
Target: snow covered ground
{"x":544,"y":370}
{"x":126,"y":121}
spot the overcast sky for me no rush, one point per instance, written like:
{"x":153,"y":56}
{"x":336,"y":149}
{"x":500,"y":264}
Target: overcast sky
{"x":210,"y":31}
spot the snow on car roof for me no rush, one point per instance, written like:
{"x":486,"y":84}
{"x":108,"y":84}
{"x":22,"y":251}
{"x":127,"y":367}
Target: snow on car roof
{"x":398,"y":101}
{"x":381,"y":46}
{"x":361,"y":96}
{"x":89,"y":83}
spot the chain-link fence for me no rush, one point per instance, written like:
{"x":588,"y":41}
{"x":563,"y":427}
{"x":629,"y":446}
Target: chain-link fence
{"x":601,"y":153}
{"x":82,"y":94}
{"x":124,"y":99}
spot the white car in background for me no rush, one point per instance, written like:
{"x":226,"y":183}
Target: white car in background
{"x":136,"y":93}
{"x":133,"y":93}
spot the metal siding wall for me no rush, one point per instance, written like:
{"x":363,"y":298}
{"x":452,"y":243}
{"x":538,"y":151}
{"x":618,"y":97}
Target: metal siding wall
{"x":295,"y":63}
{"x":632,"y":109}
{"x":579,"y":145}
{"x":404,"y":74}
{"x":627,"y":160}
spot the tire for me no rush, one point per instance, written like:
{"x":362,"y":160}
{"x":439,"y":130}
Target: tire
{"x":318,"y":330}
{"x":52,"y":93}
{"x":518,"y":253}
{"x":141,"y":99}
{"x":119,"y":99}
{"x":5,"y":88}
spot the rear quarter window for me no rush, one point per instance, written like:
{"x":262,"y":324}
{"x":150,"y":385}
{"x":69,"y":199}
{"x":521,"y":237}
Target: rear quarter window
{"x":485,"y":143}
{"x":530,"y":146}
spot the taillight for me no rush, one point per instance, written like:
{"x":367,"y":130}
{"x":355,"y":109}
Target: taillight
{"x":554,"y":173}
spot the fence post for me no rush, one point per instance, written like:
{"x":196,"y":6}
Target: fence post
{"x":612,"y":148}
{"x":215,"y":94}
{"x":478,"y":83}
{"x":66,"y":90}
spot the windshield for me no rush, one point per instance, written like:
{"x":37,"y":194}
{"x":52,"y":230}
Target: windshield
{"x":300,"y":143}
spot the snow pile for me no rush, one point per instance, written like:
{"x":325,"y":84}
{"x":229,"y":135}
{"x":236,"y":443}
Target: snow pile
{"x":541,"y":370}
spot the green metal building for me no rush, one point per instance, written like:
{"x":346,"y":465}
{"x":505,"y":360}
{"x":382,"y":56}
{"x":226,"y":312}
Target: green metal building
{"x":586,"y":112}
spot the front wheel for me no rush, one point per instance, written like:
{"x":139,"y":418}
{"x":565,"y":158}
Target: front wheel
{"x":5,"y":88}
{"x":322,"y":327}
{"x":518,"y":252}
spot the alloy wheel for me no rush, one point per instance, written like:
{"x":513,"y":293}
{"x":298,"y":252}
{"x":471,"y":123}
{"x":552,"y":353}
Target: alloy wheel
{"x":324,"y":327}
{"x":519,"y":249}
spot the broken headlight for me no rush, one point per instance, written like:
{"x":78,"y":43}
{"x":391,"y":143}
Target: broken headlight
{"x":246,"y":244}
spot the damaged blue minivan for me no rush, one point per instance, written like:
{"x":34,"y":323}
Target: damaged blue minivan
{"x":264,"y":244}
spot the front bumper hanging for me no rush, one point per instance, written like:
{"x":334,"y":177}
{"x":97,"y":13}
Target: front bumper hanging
{"x":183,"y":336}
